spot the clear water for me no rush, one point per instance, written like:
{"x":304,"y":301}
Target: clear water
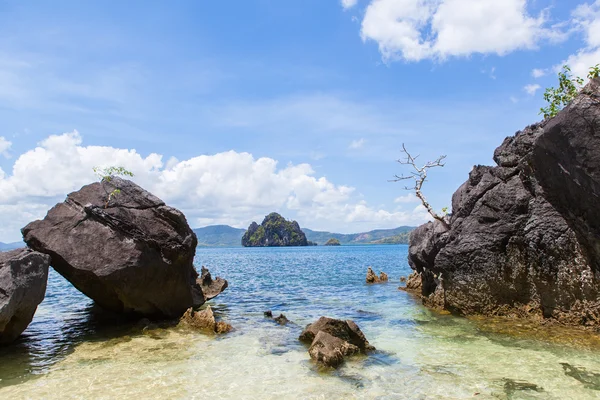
{"x":72,"y":351}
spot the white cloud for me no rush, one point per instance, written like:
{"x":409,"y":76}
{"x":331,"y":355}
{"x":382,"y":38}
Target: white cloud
{"x":228,"y":187}
{"x":538,"y":73}
{"x":408,"y":198}
{"x":347,"y":4}
{"x":414,"y":30}
{"x":531,"y":89}
{"x":4,"y":146}
{"x":357,"y":144}
{"x":586,"y":19}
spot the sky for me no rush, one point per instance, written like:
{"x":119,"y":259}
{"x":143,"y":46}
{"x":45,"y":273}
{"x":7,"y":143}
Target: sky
{"x":229,"y":110}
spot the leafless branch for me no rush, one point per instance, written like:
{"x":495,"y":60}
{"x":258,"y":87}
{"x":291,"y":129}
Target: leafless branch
{"x":419,"y":175}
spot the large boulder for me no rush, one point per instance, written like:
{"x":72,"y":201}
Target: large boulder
{"x":274,"y":231}
{"x":331,"y":340}
{"x":524,"y":236}
{"x":124,"y":248}
{"x":23,"y":278}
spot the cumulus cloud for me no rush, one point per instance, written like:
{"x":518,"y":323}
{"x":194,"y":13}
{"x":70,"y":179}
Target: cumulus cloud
{"x":408,"y":198}
{"x":347,"y":4}
{"x":4,"y":146}
{"x":357,"y":144}
{"x":538,"y":73}
{"x":414,"y":30}
{"x":586,"y":20}
{"x":230,"y":187}
{"x":531,"y":89}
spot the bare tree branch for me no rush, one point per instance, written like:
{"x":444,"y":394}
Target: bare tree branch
{"x":419,"y":175}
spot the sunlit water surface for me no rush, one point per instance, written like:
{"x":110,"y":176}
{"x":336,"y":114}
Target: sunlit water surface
{"x":72,"y":351}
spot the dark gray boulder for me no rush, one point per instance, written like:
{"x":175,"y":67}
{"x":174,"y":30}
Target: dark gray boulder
{"x":333,"y":339}
{"x":23,"y":279}
{"x":128,"y":252}
{"x":525,"y":235}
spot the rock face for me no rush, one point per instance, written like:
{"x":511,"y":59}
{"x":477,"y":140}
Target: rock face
{"x":275,"y":231}
{"x":23,"y":278}
{"x":525,"y":235}
{"x":204,"y":320}
{"x":133,"y":254}
{"x":211,"y":288}
{"x":333,"y":339}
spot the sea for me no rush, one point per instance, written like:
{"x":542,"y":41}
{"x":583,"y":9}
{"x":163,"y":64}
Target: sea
{"x":72,"y":350}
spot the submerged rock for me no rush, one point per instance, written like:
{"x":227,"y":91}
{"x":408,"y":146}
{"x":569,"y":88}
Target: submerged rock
{"x":128,"y":252}
{"x":275,"y":231}
{"x":526,"y":232}
{"x":329,"y":350}
{"x":23,"y":279}
{"x":204,"y":320}
{"x":333,"y":339}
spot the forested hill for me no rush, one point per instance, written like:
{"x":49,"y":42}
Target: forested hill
{"x":227,"y":236}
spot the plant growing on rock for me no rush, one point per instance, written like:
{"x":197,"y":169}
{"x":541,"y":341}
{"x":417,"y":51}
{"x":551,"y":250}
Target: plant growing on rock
{"x":568,"y":88}
{"x":106,"y":174}
{"x":419,"y":176}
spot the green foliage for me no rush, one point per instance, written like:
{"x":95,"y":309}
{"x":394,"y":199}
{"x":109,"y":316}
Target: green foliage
{"x":445,"y":211}
{"x":568,"y":88}
{"x":106,"y":174}
{"x":274,"y":231}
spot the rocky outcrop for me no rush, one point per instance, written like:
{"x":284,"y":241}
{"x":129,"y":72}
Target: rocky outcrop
{"x":204,"y":320}
{"x":23,"y":278}
{"x":211,"y":288}
{"x":124,"y":248}
{"x":333,"y":339}
{"x":274,"y":231}
{"x":372,"y":278}
{"x":524,"y":235}
{"x":333,"y":242}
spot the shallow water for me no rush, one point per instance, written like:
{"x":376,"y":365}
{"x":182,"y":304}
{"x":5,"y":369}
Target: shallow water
{"x":72,"y":351}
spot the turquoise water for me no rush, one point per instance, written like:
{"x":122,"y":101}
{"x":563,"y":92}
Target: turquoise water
{"x":71,"y":350}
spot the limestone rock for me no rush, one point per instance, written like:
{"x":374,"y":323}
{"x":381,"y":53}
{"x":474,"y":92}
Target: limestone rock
{"x":23,"y":279}
{"x":526,"y":232}
{"x":275,"y":231}
{"x":128,"y":252}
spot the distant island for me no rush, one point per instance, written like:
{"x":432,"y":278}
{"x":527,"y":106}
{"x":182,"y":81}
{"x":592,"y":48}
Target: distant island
{"x":333,"y":242}
{"x":274,"y":231}
{"x":228,"y":236}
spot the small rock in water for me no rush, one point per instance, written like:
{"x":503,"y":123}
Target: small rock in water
{"x":223,"y":327}
{"x":282,"y":319}
{"x":268,"y":314}
{"x":204,"y":320}
{"x":332,"y":340}
{"x":372,"y":278}
{"x":402,"y":279}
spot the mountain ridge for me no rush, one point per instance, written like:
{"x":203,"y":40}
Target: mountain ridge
{"x":228,"y":236}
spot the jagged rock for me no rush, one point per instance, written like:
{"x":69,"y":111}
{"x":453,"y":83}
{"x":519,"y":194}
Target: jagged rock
{"x":275,"y":231}
{"x":333,"y":242}
{"x":281,"y":320}
{"x":268,"y":314}
{"x":329,"y":350}
{"x":526,"y":232}
{"x":372,"y":278}
{"x":23,"y":279}
{"x":204,"y":320}
{"x":211,"y":288}
{"x":403,"y":279}
{"x":129,"y":252}
{"x":201,"y":320}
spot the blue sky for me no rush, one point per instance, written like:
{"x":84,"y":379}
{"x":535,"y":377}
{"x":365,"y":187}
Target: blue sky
{"x":231,"y":109}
